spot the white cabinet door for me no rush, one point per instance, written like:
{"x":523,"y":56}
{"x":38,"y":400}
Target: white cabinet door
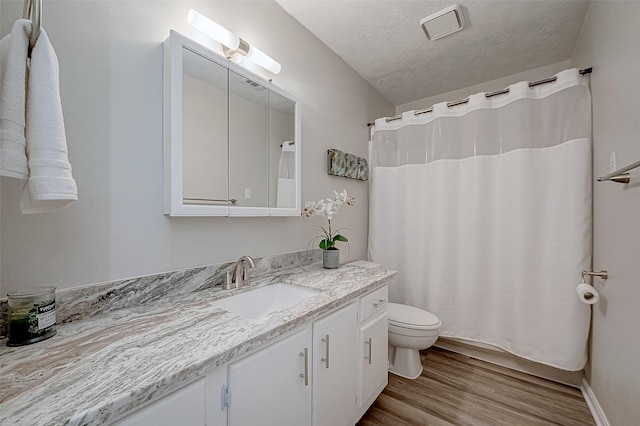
{"x":374,"y":341}
{"x":335,"y":350}
{"x":216,"y":410}
{"x":186,"y":406}
{"x":268,"y":388}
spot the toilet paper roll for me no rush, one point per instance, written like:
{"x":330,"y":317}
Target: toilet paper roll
{"x":587,"y":294}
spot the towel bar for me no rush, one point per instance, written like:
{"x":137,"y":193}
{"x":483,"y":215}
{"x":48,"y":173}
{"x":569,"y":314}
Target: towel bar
{"x":210,"y":200}
{"x":620,"y":175}
{"x":33,"y":12}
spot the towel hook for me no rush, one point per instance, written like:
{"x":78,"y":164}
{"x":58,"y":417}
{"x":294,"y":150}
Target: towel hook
{"x":33,"y":12}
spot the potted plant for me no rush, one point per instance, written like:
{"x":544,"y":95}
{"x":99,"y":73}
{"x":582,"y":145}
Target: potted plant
{"x":328,"y":208}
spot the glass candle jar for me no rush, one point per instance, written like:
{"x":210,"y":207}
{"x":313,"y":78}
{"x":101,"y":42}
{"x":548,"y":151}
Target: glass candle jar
{"x":32,"y":315}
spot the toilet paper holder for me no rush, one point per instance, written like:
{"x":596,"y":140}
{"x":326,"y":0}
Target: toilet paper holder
{"x":602,"y":274}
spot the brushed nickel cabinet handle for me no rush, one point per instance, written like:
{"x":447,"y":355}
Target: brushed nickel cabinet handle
{"x":379,"y":303}
{"x":305,"y":375}
{"x":368,"y":342}
{"x":326,"y":351}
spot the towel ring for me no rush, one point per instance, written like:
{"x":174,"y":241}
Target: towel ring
{"x":33,"y":12}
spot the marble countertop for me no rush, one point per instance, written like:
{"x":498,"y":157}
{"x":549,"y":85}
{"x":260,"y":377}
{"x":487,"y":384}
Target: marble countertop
{"x":98,"y":368}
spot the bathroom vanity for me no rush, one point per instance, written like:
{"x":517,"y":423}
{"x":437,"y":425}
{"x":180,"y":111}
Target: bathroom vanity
{"x":321,"y":361}
{"x":327,"y":372}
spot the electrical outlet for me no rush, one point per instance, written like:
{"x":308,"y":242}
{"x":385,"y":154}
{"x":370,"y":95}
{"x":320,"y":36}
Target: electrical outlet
{"x":247,"y":193}
{"x":612,"y":161}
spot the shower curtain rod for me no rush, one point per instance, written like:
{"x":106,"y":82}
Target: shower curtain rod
{"x":487,"y":95}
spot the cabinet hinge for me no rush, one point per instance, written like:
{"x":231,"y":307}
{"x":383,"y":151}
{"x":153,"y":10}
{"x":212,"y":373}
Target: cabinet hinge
{"x":225,"y":397}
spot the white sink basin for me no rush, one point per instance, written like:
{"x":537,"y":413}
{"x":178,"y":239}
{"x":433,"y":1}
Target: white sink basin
{"x":264,"y":300}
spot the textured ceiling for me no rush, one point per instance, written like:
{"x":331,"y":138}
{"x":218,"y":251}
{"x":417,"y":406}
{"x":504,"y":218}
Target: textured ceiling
{"x":383,"y":41}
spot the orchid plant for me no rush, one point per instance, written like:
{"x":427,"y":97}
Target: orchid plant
{"x":328,"y":208}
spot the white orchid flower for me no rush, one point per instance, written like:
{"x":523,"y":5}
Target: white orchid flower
{"x":342,"y":196}
{"x":320,"y":208}
{"x":328,"y":208}
{"x":331,"y":210}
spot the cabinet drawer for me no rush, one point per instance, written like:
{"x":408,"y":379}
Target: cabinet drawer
{"x":374,"y":303}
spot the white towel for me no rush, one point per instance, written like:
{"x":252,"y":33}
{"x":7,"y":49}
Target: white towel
{"x":288,"y":146}
{"x":286,"y":193}
{"x":51,"y":185}
{"x":13,"y":69}
{"x":286,"y":189}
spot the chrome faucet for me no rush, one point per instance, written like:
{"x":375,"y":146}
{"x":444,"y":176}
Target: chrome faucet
{"x":240,"y":276}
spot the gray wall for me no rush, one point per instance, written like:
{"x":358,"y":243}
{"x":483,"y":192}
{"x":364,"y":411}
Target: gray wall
{"x":110,"y":55}
{"x":609,"y":42}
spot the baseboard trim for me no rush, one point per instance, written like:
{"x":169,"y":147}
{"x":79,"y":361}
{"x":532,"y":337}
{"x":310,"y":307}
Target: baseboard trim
{"x":593,"y":404}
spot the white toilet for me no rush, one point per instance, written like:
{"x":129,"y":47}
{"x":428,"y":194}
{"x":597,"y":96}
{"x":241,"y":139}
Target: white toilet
{"x":410,"y":330}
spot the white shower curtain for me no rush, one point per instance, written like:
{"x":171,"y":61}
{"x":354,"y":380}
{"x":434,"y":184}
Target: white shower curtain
{"x":484,"y":209}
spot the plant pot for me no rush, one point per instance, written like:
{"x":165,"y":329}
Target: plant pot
{"x":331,"y":258}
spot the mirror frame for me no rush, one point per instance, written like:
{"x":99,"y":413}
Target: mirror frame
{"x":172,"y":134}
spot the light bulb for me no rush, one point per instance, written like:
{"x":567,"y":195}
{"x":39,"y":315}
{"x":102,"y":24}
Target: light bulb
{"x":265,"y":61}
{"x":232,"y":42}
{"x":213,"y":30}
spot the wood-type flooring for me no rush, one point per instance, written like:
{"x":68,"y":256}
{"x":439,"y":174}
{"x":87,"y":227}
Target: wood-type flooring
{"x":455,"y":389}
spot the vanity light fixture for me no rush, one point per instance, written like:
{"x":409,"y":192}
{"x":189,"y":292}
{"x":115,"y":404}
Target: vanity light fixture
{"x":232,"y":43}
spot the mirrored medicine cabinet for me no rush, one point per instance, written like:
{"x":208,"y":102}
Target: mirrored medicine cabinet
{"x":231,"y":138}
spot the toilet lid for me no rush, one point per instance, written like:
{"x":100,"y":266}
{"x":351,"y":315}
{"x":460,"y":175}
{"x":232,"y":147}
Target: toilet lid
{"x":409,"y":316}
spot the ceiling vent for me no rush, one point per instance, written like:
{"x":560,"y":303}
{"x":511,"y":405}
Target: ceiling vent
{"x":442,"y":23}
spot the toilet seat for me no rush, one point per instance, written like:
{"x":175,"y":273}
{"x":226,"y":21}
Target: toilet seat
{"x":409,"y":317}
